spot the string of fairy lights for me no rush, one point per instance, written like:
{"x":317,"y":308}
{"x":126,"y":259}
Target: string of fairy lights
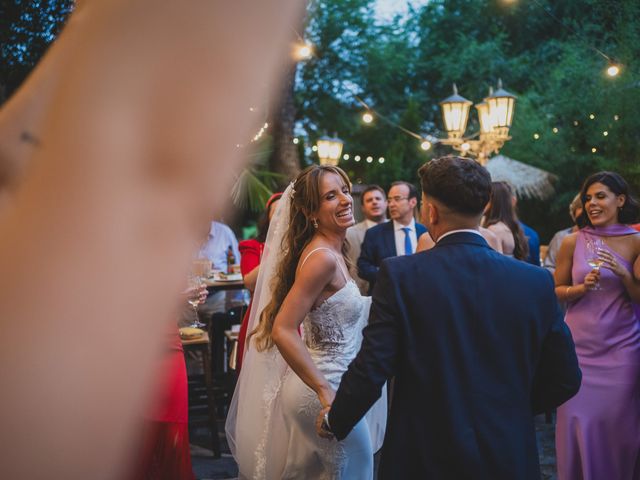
{"x":303,"y":50}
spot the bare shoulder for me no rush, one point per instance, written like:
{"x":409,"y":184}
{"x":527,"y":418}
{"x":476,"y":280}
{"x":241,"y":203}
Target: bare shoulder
{"x":425,"y":242}
{"x":570,"y":239}
{"x":487,"y":234}
{"x":316,"y":261}
{"x":568,"y":244}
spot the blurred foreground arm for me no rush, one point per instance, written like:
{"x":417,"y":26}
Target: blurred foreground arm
{"x":137,"y":110}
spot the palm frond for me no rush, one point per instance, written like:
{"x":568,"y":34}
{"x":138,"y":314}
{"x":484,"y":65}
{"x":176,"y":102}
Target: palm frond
{"x":253,"y":188}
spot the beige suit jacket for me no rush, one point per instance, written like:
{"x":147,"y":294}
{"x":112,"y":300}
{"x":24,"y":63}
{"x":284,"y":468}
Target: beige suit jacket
{"x":355,"y":236}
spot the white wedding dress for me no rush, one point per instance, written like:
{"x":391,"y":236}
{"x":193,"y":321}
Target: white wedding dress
{"x":332,"y":334}
{"x":271,"y":422}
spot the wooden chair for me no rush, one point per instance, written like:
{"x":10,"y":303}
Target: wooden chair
{"x":201,"y":386}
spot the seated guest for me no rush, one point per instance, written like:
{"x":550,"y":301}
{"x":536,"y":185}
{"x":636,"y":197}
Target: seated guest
{"x":213,"y":310}
{"x":390,"y":239}
{"x":575,"y":210}
{"x":217,"y":244}
{"x":500,"y":217}
{"x":251,"y":251}
{"x":215,"y":248}
{"x":374,"y":208}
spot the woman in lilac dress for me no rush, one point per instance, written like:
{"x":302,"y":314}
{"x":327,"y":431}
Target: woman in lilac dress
{"x":598,"y":430}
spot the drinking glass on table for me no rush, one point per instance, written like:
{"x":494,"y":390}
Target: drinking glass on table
{"x":200,"y":270}
{"x":593,"y":247}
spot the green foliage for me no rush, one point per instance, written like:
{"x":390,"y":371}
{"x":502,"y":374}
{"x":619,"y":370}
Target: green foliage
{"x":27,"y":27}
{"x":404,"y":68}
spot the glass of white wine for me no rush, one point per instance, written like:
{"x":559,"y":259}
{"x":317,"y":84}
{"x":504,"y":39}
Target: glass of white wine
{"x":594,"y":246}
{"x":195,"y":282}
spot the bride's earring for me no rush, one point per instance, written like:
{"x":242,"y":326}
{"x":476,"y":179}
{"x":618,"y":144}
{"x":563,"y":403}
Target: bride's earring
{"x":315,"y":223}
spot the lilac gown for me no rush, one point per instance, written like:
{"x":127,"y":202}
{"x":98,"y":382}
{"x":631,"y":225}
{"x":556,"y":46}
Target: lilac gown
{"x":598,"y":430}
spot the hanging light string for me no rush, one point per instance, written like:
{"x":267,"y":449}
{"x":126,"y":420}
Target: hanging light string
{"x":388,"y":120}
{"x":609,"y":59}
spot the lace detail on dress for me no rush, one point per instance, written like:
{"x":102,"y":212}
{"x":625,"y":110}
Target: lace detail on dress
{"x":333,"y":331}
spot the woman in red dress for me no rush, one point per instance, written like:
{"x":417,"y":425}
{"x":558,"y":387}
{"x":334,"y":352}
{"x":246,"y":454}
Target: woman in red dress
{"x":250,"y":254}
{"x":165,"y":453}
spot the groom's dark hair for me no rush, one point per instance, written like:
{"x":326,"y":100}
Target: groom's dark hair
{"x":462,"y":184}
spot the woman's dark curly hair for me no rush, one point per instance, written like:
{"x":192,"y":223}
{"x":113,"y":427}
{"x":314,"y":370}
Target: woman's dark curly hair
{"x":628,"y":213}
{"x":304,"y":204}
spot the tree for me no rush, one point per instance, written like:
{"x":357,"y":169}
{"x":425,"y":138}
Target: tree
{"x":27,"y":28}
{"x":544,"y":52}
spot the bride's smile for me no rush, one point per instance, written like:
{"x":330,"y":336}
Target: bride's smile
{"x":335,"y":211}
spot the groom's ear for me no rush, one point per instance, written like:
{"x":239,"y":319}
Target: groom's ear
{"x":433,"y":213}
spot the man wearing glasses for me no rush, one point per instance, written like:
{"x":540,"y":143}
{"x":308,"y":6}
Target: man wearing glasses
{"x":394,"y":238}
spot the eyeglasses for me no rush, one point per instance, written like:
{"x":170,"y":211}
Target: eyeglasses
{"x":397,"y":199}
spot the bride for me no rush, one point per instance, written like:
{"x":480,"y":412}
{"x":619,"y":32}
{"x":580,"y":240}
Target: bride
{"x":289,"y":373}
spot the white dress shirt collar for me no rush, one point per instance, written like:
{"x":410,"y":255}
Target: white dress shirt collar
{"x":451,"y":232}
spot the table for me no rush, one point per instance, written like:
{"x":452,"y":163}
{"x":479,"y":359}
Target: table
{"x":216,"y":285}
{"x":220,"y":322}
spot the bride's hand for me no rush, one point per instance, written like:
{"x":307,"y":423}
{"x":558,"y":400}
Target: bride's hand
{"x":326,"y":396}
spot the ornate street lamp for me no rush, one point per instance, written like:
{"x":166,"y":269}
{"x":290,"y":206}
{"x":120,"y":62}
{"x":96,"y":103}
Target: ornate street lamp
{"x":329,"y":150}
{"x":487,"y":122}
{"x":495,"y":115}
{"x":501,"y":105}
{"x":455,"y":112}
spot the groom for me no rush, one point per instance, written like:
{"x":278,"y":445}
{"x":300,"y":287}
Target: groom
{"x":474,"y":339}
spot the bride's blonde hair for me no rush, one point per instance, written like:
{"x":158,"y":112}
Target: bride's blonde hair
{"x":305,"y":202}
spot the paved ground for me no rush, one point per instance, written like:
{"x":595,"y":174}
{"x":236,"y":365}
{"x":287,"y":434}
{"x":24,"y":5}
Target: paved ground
{"x":206,"y":467}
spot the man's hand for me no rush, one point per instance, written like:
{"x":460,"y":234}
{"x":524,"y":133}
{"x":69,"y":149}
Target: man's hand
{"x":322,"y":432}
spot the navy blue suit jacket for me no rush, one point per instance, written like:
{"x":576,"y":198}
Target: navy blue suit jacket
{"x":477,"y":345}
{"x":379,"y":243}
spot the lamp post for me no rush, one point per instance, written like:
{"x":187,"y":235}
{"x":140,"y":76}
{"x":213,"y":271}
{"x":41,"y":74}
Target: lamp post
{"x":495,"y":115}
{"x":329,"y":150}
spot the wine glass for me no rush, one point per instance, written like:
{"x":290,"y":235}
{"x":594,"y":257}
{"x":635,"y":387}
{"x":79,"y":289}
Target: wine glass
{"x":195,"y":282}
{"x":594,"y":246}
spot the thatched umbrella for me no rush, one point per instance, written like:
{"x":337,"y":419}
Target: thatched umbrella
{"x":527,"y":181}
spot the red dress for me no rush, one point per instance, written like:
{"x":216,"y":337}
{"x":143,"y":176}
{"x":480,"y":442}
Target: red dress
{"x":165,"y":450}
{"x":250,"y":254}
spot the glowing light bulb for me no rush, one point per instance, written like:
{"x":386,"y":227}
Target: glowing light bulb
{"x":575,"y":123}
{"x":594,"y":150}
{"x":381,"y":160}
{"x":314,"y":148}
{"x":536,"y":136}
{"x":555,"y":129}
{"x":296,"y":141}
{"x":367,"y":117}
{"x":613,"y":70}
{"x":345,"y":156}
{"x":605,"y":133}
{"x":369,"y":159}
{"x":357,"y":158}
{"x":616,"y":118}
{"x":426,"y":145}
{"x":592,"y":116}
{"x":303,"y":51}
